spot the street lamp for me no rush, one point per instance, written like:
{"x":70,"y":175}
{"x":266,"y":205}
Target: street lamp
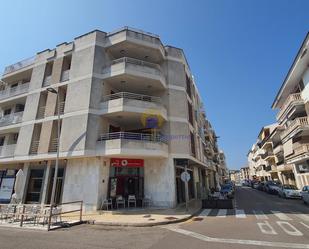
{"x":52,"y":198}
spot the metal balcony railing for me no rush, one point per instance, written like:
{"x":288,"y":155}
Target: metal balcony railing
{"x":47,"y":81}
{"x":14,"y":91}
{"x":34,"y":147}
{"x":12,"y":118}
{"x":296,"y":123}
{"x":292,"y":98}
{"x":53,"y":145}
{"x":143,"y":66}
{"x":133,"y":96}
{"x":65,"y":75}
{"x":19,"y":65}
{"x":7,"y":150}
{"x":133,"y":136}
{"x":41,"y":111}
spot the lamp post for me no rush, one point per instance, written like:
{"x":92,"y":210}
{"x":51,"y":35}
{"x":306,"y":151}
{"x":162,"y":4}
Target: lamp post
{"x":52,"y":198}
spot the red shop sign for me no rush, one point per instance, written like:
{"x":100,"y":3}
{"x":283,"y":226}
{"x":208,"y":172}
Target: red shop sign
{"x":125,"y":162}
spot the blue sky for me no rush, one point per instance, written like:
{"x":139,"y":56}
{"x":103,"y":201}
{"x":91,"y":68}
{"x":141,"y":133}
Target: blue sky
{"x":239,"y":51}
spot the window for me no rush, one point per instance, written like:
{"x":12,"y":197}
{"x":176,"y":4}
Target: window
{"x":190,"y":113}
{"x":192,"y":144}
{"x":2,"y":141}
{"x":7,"y":111}
{"x":188,"y":83}
{"x":15,"y":137}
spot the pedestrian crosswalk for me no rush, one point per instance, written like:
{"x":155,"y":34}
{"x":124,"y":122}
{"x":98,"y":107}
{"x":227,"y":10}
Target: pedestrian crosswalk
{"x":258,"y":214}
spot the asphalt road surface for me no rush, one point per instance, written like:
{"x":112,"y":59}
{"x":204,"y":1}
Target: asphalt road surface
{"x":258,"y":221}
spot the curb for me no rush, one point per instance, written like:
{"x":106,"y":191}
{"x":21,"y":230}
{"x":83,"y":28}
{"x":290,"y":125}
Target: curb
{"x":143,"y":224}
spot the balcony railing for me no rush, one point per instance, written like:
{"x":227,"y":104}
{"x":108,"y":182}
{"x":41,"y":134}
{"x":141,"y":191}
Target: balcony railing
{"x":47,"y":81}
{"x":296,"y":123}
{"x":53,"y":145}
{"x":133,"y":96}
{"x":12,"y":118}
{"x":267,"y":154}
{"x":292,"y":98}
{"x":65,"y":75}
{"x":7,"y":150}
{"x":143,"y":66}
{"x":133,"y":136}
{"x":13,"y":91}
{"x":300,"y":149}
{"x":138,"y":34}
{"x":34,"y":147}
{"x":41,"y":111}
{"x":19,"y":65}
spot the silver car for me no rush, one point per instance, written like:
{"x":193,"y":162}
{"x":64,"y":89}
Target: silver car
{"x":305,"y":194}
{"x":289,"y":191}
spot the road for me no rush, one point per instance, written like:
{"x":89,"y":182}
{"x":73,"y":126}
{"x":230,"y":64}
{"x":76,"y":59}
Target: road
{"x":258,"y":221}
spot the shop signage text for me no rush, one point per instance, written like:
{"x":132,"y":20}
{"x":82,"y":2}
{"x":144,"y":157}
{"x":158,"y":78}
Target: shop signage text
{"x":127,"y":162}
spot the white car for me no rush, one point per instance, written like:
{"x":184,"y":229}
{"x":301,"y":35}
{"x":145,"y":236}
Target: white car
{"x":289,"y":191}
{"x":305,"y":194}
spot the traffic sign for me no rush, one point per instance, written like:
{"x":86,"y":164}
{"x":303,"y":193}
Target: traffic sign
{"x":185,"y":176}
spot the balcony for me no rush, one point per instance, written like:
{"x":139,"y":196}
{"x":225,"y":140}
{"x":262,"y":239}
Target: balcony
{"x":132,"y":144}
{"x":132,"y":104}
{"x":278,"y":149}
{"x":268,"y":155}
{"x":293,"y":101}
{"x":14,"y":91}
{"x":41,"y":111}
{"x":65,"y":76}
{"x":34,"y":147}
{"x":10,"y":119}
{"x":135,"y":43}
{"x":301,"y":151}
{"x":7,"y":150}
{"x":19,"y":65}
{"x":136,"y":74}
{"x":296,"y":124}
{"x":53,"y":145}
{"x":47,"y":81}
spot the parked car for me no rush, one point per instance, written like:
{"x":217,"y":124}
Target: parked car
{"x":272,"y":187}
{"x":255,"y":185}
{"x":289,"y":191}
{"x":227,"y":190}
{"x":261,"y":186}
{"x":305,"y":194}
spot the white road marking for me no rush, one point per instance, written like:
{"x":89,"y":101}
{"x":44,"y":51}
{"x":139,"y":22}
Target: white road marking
{"x":266,"y":228}
{"x":289,"y":229}
{"x":237,"y":241}
{"x":240,"y":213}
{"x":305,"y":225}
{"x":280,"y":215}
{"x":260,"y":215}
{"x":222,"y":213}
{"x":304,"y":217}
{"x":205,"y":212}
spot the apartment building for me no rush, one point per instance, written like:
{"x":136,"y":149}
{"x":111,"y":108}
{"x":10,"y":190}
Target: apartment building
{"x":244,"y":173}
{"x":130,"y":115}
{"x":293,"y":109}
{"x":262,"y":161}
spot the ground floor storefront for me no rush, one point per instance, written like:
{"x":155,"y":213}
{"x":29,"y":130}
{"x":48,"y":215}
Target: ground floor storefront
{"x":95,"y":179}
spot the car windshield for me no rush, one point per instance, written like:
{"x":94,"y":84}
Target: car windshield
{"x":290,"y":187}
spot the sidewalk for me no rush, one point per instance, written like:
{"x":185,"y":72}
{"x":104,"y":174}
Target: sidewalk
{"x":142,"y":217}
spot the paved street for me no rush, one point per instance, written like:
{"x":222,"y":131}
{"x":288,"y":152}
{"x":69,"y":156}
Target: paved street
{"x":259,"y":221}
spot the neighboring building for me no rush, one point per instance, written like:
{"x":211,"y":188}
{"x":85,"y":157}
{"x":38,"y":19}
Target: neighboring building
{"x":245,"y":173}
{"x":292,"y":102}
{"x":130,"y":113}
{"x":235,"y":176}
